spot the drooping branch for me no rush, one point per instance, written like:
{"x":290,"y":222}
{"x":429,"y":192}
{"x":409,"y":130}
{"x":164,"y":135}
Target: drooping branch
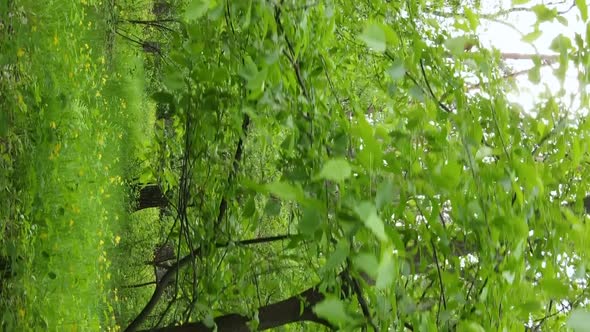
{"x":297,"y":308}
{"x":167,"y":277}
{"x":291,"y":54}
{"x":234,"y":170}
{"x":356,"y":287}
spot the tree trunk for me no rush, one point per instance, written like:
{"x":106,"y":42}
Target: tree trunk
{"x":270,"y":316}
{"x":151,"y":196}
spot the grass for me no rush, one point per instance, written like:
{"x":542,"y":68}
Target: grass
{"x":73,"y":119}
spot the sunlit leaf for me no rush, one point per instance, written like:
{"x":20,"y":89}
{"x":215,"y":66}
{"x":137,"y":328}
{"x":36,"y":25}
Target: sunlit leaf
{"x":581,"y":4}
{"x":386,"y":271}
{"x":544,"y":13}
{"x":284,"y":191}
{"x":336,"y":170}
{"x":579,"y":320}
{"x":385,"y":194}
{"x":310,"y":221}
{"x":368,"y":214}
{"x":532,"y":36}
{"x":375,"y":38}
{"x":195,"y":10}
{"x":368,"y":263}
{"x":457,"y":45}
{"x":338,"y":256}
{"x":470,"y":326}
{"x":397,"y":71}
{"x":333,"y":310}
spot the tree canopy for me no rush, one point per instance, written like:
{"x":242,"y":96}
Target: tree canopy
{"x":358,"y":165}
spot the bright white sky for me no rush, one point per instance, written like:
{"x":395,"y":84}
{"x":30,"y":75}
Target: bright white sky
{"x":507,"y":39}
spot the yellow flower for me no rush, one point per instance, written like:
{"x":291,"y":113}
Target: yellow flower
{"x":117,"y":239}
{"x":20,"y":52}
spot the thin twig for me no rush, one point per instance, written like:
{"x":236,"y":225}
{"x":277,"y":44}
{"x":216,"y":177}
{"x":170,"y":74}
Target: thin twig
{"x":442,"y":287}
{"x":440,"y":103}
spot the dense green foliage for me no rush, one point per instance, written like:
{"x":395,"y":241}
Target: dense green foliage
{"x":68,"y":138}
{"x":339,"y":164}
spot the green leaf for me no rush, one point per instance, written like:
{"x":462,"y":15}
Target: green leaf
{"x":386,"y":272}
{"x":560,"y":44}
{"x":173,"y":80}
{"x":554,"y":288}
{"x":195,"y":10}
{"x":484,"y":151}
{"x":417,"y":93}
{"x":543,"y":13}
{"x":385,"y":194}
{"x":338,"y":256}
{"x":470,"y":326}
{"x":530,"y":307}
{"x":457,"y":45}
{"x":397,"y":71}
{"x":375,"y":38}
{"x":532,"y":36}
{"x":163,"y":97}
{"x":579,"y":320}
{"x":390,"y":35}
{"x":3,"y":123}
{"x":367,"y":263}
{"x":272,"y":208}
{"x":333,"y":310}
{"x":368,"y":214}
{"x":249,"y":70}
{"x":310,"y":221}
{"x":472,"y":18}
{"x":562,"y":20}
{"x":285,"y":191}
{"x":581,"y":4}
{"x":249,"y":208}
{"x":336,"y":170}
{"x":520,"y":2}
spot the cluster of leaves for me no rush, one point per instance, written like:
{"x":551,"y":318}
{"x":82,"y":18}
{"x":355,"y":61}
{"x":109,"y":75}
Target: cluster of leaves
{"x":408,"y":202}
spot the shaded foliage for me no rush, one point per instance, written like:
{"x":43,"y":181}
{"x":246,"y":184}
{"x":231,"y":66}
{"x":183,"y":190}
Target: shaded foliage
{"x":411,"y":202}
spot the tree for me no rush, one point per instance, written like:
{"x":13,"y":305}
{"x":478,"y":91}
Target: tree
{"x":408,"y":201}
{"x":151,"y":196}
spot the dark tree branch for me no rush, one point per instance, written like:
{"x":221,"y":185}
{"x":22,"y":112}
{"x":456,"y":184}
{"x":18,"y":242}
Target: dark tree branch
{"x":171,"y":273}
{"x":269,"y":316}
{"x":442,"y":286}
{"x":354,"y":283}
{"x":154,"y":23}
{"x":234,"y":170}
{"x":140,"y":285}
{"x":440,"y":103}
